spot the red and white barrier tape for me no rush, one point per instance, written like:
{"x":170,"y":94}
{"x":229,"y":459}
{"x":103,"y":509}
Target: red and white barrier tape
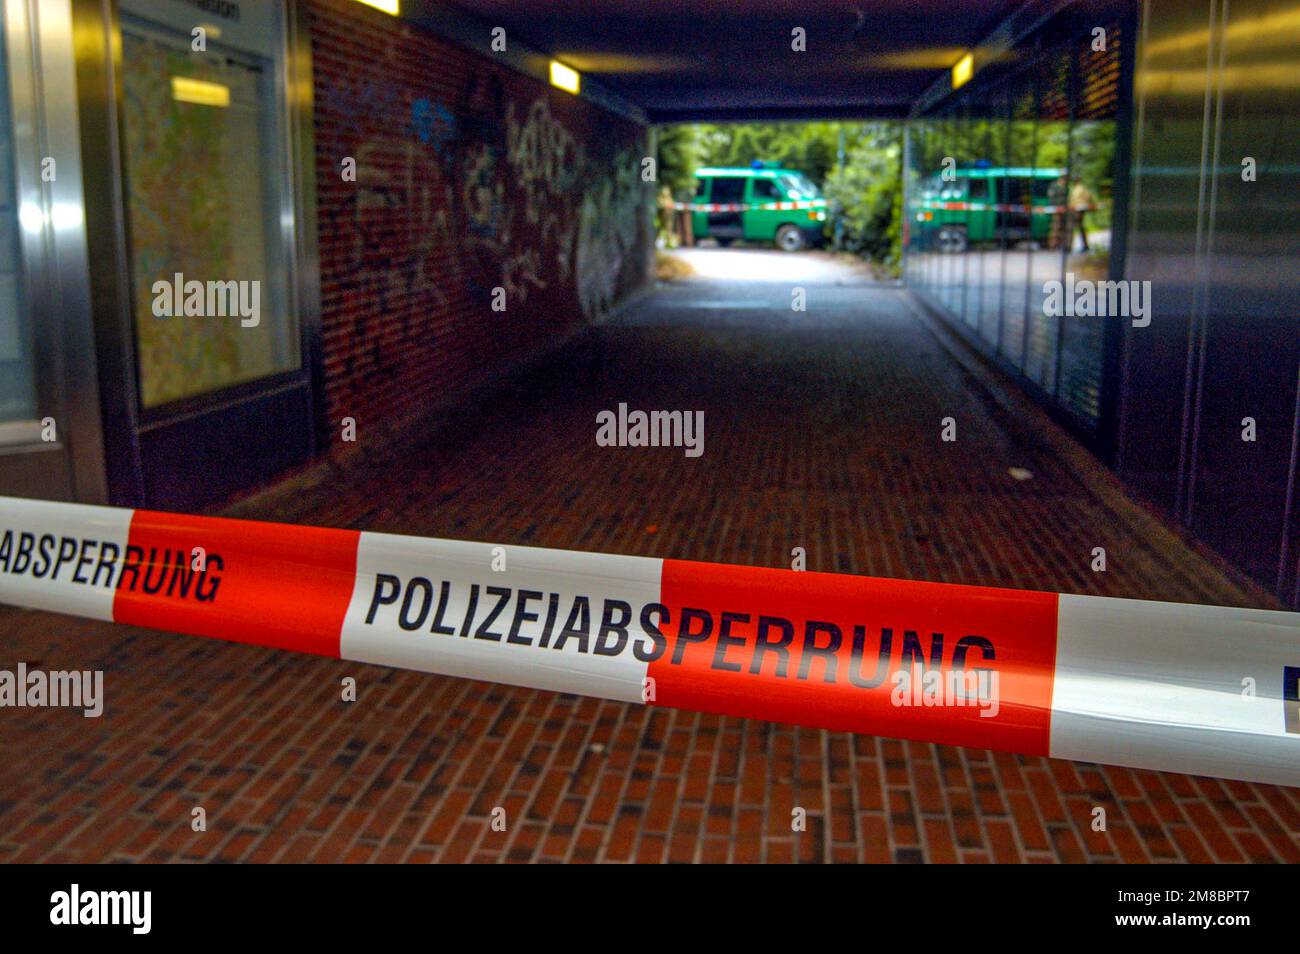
{"x":988,"y":207}
{"x":1199,"y":689}
{"x":750,"y":207}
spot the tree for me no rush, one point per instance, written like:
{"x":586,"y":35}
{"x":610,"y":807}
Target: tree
{"x":809,"y":147}
{"x":678,"y":158}
{"x":867,"y":192}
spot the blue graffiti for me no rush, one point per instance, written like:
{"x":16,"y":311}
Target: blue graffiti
{"x":433,"y":124}
{"x":357,"y":104}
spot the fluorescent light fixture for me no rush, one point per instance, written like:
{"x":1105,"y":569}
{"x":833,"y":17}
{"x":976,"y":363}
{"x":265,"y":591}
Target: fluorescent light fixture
{"x":388,"y":6}
{"x":201,"y":92}
{"x":564,"y":78}
{"x":962,"y":71}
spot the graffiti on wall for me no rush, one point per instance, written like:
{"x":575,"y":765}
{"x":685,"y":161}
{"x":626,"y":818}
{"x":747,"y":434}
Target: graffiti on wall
{"x":611,"y":224}
{"x":488,"y":191}
{"x":546,"y":163}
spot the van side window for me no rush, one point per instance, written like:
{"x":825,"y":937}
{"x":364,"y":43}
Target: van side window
{"x":979,"y":190}
{"x":765,"y":189}
{"x":701,"y":188}
{"x":728,"y":189}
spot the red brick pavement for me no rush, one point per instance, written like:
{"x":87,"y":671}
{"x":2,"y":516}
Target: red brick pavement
{"x":821,"y":431}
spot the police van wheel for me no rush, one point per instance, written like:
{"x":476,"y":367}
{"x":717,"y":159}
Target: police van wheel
{"x":724,"y":242}
{"x":952,"y":239}
{"x":789,"y":238}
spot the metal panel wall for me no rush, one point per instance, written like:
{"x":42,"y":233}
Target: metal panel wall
{"x":1049,"y":118}
{"x":1220,"y":362}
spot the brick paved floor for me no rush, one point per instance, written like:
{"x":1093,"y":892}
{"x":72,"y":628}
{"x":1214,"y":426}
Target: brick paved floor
{"x":821,"y":431}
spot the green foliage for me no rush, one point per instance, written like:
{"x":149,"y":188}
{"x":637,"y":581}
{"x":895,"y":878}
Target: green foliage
{"x":866,"y":194}
{"x":809,"y":147}
{"x":679,"y":157}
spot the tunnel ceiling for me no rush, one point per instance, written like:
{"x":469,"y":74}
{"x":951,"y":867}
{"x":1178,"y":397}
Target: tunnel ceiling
{"x":727,"y":59}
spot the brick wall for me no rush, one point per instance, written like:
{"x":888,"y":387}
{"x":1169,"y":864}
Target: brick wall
{"x":470,"y":177}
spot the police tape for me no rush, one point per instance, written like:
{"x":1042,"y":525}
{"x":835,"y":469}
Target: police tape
{"x":821,"y":204}
{"x":1204,"y":690}
{"x":990,"y":207}
{"x":749,"y":206}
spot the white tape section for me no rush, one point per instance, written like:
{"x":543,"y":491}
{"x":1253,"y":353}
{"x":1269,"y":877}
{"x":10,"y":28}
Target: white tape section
{"x":412,"y":594}
{"x":1148,"y":684}
{"x":61,"y":557}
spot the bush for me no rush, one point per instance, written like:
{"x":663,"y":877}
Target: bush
{"x":866,"y":194}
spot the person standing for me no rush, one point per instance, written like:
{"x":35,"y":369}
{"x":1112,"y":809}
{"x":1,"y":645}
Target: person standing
{"x":1082,"y":201}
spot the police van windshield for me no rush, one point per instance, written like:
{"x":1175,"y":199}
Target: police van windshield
{"x":799,"y":186}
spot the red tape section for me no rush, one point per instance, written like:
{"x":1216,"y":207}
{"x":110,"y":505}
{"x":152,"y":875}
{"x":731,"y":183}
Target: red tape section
{"x":824,"y":650}
{"x":271,"y":584}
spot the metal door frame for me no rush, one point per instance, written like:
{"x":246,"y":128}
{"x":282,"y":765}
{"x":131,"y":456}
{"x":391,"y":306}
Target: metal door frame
{"x":137,"y":441}
{"x":54,"y":264}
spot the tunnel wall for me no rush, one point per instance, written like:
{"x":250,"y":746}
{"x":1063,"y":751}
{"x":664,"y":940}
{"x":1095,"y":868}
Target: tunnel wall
{"x":473,"y":182}
{"x":1215,"y":85}
{"x":1026,"y":133}
{"x":1198,"y":408}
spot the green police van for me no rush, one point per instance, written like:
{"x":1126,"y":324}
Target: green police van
{"x":988,"y":203}
{"x":762,"y":203}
